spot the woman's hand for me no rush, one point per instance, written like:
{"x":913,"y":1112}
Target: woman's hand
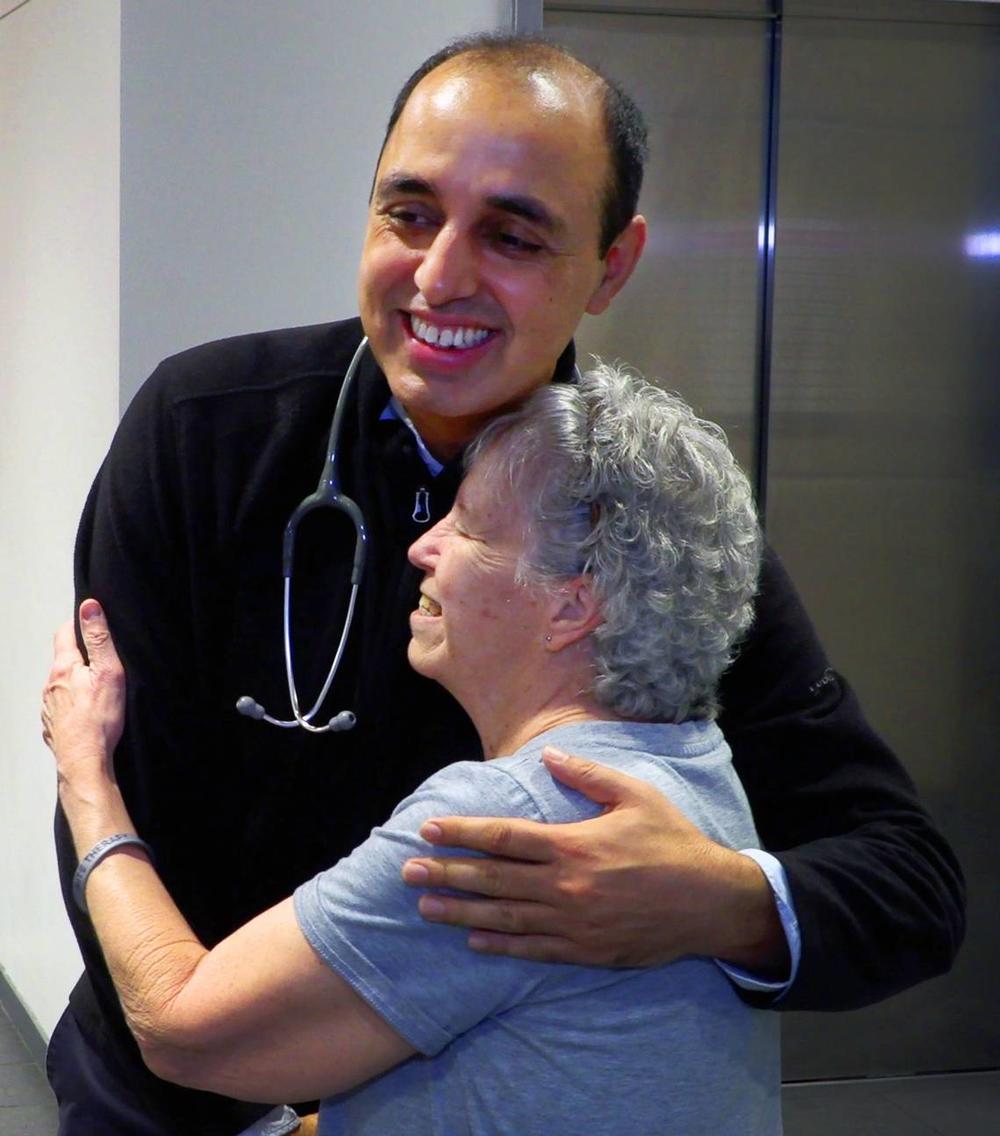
{"x":83,"y":707}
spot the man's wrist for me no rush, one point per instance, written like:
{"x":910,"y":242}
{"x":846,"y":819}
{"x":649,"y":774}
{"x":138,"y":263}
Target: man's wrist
{"x":751,"y":933}
{"x":777,"y":880}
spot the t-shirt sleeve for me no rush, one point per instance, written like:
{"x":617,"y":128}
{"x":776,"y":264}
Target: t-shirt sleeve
{"x":362,"y":920}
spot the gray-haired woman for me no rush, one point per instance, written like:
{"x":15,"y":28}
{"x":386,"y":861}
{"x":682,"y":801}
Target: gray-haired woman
{"x":586,"y":591}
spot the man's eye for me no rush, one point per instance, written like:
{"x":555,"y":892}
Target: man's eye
{"x":401,"y":215}
{"x":511,"y":242}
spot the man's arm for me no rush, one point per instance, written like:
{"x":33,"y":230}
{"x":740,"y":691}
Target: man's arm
{"x":260,"y":1014}
{"x":878,"y":893}
{"x":595,"y":893}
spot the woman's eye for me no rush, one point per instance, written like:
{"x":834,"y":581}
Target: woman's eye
{"x":465,"y":533}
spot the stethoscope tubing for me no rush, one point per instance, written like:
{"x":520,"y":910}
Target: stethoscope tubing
{"x":327,"y":495}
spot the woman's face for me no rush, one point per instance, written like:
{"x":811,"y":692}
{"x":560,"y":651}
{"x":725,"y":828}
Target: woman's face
{"x":475,"y":625}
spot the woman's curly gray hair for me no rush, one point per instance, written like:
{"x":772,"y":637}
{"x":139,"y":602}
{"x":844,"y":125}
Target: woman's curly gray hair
{"x":621,"y":480}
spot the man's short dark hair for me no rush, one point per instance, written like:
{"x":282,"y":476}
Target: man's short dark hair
{"x":624,"y":127}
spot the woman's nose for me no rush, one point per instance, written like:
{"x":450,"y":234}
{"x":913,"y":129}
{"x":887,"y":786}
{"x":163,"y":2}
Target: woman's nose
{"x":421,"y":552}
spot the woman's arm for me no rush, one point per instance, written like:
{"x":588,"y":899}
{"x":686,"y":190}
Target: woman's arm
{"x":258,"y":1017}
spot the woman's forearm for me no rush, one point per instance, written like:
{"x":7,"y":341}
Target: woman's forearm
{"x":259,"y":1016}
{"x":94,"y":808}
{"x":149,"y":947}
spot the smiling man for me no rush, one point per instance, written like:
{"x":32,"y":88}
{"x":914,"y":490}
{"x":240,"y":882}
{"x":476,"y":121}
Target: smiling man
{"x":503,"y":208}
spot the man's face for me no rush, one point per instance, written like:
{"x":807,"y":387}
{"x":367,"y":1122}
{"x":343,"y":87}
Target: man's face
{"x":481,"y":252}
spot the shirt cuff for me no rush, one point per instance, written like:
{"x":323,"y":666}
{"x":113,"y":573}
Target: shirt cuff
{"x":778,"y":883}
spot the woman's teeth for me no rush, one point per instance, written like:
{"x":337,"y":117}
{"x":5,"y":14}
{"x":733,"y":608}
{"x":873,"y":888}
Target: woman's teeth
{"x":428,"y":606}
{"x":455,"y":337}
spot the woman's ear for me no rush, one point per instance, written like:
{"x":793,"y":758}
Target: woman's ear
{"x":574,"y":612}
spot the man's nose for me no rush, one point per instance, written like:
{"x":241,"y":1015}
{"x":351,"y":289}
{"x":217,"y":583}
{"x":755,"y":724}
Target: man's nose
{"x":449,"y":269}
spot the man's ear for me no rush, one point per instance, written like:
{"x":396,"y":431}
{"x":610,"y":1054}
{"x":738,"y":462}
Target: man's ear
{"x":619,"y":263}
{"x":574,"y":612}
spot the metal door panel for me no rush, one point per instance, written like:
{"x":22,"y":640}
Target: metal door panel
{"x":884,"y":486}
{"x":689,"y":316}
{"x":884,"y":455}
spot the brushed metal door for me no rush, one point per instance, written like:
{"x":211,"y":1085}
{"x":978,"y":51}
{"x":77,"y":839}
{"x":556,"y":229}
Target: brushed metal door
{"x":884,"y":453}
{"x":688,"y":318}
{"x":883,"y":440}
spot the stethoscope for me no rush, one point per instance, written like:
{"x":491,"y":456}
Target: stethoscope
{"x":328,"y":495}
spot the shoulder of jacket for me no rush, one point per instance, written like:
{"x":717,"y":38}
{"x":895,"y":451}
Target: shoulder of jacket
{"x":258,"y":361}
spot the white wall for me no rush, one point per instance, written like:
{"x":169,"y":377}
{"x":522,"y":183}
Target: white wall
{"x":59,"y":124}
{"x":249,"y":132}
{"x":249,"y":137}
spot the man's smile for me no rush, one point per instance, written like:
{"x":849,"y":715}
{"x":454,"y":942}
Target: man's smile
{"x":455,"y":336}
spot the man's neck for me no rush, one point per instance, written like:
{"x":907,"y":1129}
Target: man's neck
{"x":446,"y":438}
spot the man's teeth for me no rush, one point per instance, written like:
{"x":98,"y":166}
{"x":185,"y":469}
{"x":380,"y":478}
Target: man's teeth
{"x":447,"y":336}
{"x":428,"y":606}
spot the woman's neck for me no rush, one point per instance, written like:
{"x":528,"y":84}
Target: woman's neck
{"x":500,"y":739}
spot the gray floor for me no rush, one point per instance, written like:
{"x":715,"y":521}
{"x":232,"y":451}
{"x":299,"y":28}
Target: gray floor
{"x":26,"y":1105}
{"x":954,"y":1104}
{"x":965,"y":1104}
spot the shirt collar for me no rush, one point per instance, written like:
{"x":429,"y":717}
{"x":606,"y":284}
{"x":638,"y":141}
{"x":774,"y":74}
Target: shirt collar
{"x":395,"y":410}
{"x":565,"y":372}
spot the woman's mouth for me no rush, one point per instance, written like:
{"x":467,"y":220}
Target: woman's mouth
{"x":428,"y":606}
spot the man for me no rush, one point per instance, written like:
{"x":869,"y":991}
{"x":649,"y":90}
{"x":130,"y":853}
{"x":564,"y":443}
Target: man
{"x":503,"y":208}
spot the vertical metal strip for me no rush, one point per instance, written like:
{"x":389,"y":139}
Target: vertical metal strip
{"x":526,"y":17}
{"x":766,"y":240}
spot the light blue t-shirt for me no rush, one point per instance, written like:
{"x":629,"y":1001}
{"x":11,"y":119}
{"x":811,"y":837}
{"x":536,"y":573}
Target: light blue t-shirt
{"x":508,"y":1046}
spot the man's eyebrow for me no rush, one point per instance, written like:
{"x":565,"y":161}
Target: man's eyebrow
{"x":517,"y":204}
{"x":530,"y":208}
{"x":403,"y":182}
